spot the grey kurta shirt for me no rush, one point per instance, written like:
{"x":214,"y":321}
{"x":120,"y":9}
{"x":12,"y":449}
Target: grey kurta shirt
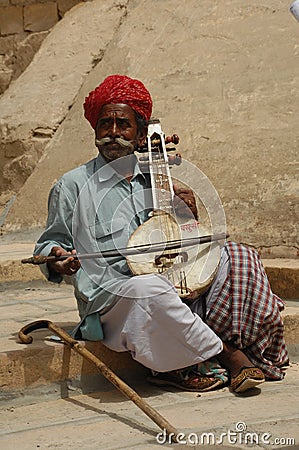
{"x":92,"y":208}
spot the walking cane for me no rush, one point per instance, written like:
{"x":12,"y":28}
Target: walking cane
{"x":105,"y":371}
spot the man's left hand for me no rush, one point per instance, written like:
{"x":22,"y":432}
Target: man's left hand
{"x":184,"y":202}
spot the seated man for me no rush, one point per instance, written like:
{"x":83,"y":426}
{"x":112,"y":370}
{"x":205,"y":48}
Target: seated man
{"x":143,"y":314}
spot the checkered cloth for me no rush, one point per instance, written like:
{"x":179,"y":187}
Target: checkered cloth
{"x":247,"y":314}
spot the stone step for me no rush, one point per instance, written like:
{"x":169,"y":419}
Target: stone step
{"x":46,"y":363}
{"x":51,"y":397}
{"x":26,"y":296}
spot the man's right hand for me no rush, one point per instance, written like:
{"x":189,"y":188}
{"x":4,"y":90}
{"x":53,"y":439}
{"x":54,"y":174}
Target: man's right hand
{"x":68,"y":266}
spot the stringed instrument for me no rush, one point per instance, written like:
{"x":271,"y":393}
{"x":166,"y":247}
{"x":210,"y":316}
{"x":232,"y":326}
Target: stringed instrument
{"x":192,"y":269}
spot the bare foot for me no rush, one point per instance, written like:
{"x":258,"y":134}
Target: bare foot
{"x":233,"y":359}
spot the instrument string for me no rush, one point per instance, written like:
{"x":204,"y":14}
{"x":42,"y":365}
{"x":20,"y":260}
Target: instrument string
{"x":155,"y":181}
{"x":167,"y":189}
{"x":159,"y":186}
{"x":163,"y":189}
{"x":171,"y":226}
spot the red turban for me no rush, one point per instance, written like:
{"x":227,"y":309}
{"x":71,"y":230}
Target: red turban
{"x":118,"y":89}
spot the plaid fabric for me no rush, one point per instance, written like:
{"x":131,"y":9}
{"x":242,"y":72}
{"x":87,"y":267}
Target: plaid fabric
{"x":247,"y":313}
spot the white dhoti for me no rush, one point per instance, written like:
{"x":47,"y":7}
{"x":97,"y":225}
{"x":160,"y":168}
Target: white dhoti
{"x":158,"y":330}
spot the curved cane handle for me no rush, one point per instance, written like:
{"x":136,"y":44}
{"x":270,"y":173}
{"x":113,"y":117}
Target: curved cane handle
{"x":37,"y":325}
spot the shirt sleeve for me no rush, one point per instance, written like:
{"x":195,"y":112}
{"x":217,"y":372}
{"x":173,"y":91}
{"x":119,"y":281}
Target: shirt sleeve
{"x":58,"y":231}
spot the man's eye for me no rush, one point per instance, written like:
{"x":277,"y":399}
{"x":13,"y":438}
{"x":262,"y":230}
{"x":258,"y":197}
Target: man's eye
{"x":123,"y":124}
{"x":103,"y":124}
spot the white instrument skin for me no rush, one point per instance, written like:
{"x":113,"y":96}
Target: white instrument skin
{"x":190,"y":269}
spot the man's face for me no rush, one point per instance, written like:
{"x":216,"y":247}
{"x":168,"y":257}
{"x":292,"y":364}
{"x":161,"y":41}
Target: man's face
{"x":117,"y":121}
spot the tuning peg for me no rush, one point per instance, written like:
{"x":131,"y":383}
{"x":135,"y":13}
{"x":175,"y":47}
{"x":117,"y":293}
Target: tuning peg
{"x":175,"y":159}
{"x":174,"y":139}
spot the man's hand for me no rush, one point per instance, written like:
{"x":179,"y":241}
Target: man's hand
{"x":67,"y":266}
{"x":184,"y":202}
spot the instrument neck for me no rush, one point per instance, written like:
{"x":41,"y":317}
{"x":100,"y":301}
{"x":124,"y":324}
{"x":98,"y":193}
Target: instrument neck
{"x":162,"y":186}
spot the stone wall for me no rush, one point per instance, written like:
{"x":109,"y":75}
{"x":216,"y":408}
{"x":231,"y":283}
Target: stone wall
{"x":38,"y":101}
{"x":23,"y":26}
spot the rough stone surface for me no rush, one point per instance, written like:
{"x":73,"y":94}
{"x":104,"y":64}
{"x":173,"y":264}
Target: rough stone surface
{"x":6,"y":43}
{"x":11,"y":20}
{"x":65,"y":5}
{"x":25,"y":50}
{"x":224,"y":78}
{"x":284,"y":277}
{"x":5,"y":75}
{"x":38,"y":101}
{"x":40,"y":16}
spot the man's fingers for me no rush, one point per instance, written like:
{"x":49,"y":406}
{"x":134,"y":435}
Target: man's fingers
{"x":67,"y":266}
{"x":185,"y":204}
{"x":180,"y":190}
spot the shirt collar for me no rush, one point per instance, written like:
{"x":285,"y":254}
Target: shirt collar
{"x":106,"y":172}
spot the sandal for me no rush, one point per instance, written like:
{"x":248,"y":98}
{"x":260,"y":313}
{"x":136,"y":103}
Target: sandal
{"x":247,"y":378}
{"x":187,"y":380}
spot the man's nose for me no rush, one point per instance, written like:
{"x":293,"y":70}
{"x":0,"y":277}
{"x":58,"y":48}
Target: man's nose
{"x":115,"y":129}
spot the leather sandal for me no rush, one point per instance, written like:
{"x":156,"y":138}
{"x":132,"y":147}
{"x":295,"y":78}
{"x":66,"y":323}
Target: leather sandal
{"x":247,"y":378}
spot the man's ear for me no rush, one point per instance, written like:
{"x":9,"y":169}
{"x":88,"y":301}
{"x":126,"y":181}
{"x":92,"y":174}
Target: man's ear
{"x":141,"y":138}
